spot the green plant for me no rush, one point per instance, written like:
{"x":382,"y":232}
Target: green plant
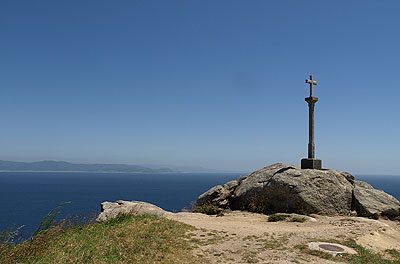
{"x":10,"y":237}
{"x":394,"y":253}
{"x":298,"y":219}
{"x":50,"y":219}
{"x":277,"y":217}
{"x":208,"y":208}
{"x":366,"y":256}
{"x":375,"y":216}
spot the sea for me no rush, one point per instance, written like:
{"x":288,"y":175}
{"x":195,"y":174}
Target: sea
{"x":27,"y":197}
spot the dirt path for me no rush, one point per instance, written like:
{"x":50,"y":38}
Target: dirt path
{"x":241,"y":237}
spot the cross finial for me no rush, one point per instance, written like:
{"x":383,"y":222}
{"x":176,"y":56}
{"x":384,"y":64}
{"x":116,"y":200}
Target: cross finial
{"x":311,"y":82}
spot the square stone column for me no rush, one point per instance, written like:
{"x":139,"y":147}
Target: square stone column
{"x":311,"y":162}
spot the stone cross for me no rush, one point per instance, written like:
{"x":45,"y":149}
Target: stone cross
{"x":311,"y":82}
{"x":311,"y":162}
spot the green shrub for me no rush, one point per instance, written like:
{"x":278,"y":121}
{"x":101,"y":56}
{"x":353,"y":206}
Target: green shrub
{"x":277,"y":218}
{"x":375,"y":216}
{"x":50,"y":219}
{"x":298,"y":219}
{"x":208,"y":208}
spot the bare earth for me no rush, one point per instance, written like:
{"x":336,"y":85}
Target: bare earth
{"x":242,"y":237}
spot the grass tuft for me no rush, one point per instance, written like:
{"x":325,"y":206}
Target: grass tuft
{"x":363,"y":255}
{"x":125,"y":239}
{"x":50,"y":219}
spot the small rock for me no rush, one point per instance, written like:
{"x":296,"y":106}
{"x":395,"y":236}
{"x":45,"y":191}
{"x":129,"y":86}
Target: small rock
{"x":353,"y":213}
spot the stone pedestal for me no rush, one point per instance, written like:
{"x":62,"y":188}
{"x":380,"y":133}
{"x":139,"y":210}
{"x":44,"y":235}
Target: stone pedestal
{"x":311,"y":164}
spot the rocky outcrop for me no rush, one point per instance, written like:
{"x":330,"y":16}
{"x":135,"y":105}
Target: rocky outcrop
{"x":219,"y":195}
{"x":290,"y":189}
{"x":369,"y":201}
{"x":281,"y":188}
{"x":110,"y":210}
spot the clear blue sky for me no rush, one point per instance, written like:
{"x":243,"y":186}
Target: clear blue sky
{"x":218,"y":84}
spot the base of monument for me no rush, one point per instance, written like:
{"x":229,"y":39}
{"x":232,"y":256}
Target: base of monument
{"x":315,"y":164}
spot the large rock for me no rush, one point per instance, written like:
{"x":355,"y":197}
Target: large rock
{"x":369,"y":201}
{"x":287,"y":188}
{"x":283,"y":188}
{"x":110,"y":210}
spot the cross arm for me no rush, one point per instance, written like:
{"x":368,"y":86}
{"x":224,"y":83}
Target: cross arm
{"x":311,"y":82}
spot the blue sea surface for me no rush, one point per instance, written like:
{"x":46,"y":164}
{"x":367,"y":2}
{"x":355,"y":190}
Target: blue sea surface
{"x":26,"y":197}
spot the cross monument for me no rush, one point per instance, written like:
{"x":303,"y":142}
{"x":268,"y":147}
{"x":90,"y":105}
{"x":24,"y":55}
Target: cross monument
{"x":311,"y":162}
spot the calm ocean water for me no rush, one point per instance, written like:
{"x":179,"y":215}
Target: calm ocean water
{"x":26,"y":197}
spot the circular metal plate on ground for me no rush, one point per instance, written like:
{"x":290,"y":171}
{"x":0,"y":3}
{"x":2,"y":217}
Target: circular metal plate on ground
{"x":331,"y":248}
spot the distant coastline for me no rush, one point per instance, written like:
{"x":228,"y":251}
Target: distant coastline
{"x":49,"y":171}
{"x":63,"y":166}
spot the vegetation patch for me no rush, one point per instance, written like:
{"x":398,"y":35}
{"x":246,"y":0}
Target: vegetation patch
{"x":375,"y":216}
{"x":297,"y":219}
{"x":125,"y":239}
{"x":209,"y":209}
{"x":277,"y":218}
{"x":394,"y":253}
{"x":250,"y":238}
{"x":320,"y":254}
{"x":288,"y":218}
{"x":363,"y":255}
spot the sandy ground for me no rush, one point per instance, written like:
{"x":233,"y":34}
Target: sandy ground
{"x":242,"y":237}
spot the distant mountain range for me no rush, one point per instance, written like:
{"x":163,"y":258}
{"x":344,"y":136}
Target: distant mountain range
{"x":50,"y":165}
